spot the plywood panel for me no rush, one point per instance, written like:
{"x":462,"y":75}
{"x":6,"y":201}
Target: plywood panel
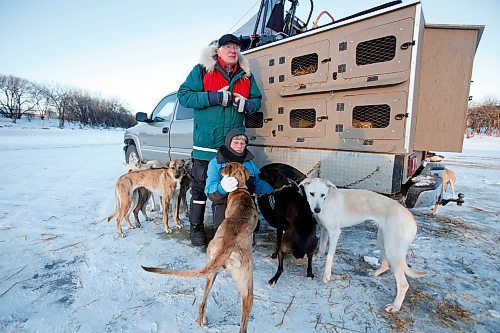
{"x":446,"y":71}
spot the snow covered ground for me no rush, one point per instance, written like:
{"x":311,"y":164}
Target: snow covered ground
{"x":63,"y":268}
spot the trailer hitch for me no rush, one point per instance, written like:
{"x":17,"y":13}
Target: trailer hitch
{"x":460,"y":200}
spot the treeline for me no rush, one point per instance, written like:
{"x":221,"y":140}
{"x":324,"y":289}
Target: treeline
{"x":20,"y":97}
{"x":484,"y":118}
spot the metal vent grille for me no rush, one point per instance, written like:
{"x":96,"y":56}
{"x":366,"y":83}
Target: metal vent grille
{"x":305,"y":64}
{"x":254,"y":120}
{"x":371,"y":116}
{"x":302,"y":118}
{"x":376,"y":50}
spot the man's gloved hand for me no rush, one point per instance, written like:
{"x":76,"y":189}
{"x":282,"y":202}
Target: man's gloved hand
{"x":229,"y":184}
{"x":220,"y":97}
{"x":242,"y":104}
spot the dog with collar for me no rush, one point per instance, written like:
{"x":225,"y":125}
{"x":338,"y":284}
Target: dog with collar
{"x":288,"y":211}
{"x":231,"y":247}
{"x":339,"y":208}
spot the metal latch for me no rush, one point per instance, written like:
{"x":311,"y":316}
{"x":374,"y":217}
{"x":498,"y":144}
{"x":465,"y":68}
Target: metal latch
{"x":319,"y":119}
{"x":268,"y":119}
{"x":400,"y":116}
{"x":406,"y":45}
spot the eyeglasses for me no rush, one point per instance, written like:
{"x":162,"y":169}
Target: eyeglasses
{"x":239,"y":143}
{"x":231,"y":47}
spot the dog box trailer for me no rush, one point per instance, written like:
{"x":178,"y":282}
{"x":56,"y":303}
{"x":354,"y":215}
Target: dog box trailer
{"x":361,"y":100}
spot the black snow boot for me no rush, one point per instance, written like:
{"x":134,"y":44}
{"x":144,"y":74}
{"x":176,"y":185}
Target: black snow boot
{"x":197,"y":234}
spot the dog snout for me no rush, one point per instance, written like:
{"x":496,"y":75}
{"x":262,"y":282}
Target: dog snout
{"x":317,"y":210}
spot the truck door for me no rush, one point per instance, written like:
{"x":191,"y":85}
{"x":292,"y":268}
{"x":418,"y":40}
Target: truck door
{"x":155,"y":140}
{"x":181,"y":133}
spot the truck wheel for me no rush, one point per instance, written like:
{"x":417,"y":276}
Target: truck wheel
{"x":131,"y":155}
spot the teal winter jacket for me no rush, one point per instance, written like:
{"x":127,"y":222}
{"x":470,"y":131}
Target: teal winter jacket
{"x":212,"y":123}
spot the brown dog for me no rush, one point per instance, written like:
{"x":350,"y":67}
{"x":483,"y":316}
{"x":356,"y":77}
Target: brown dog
{"x":163,"y":182}
{"x":231,"y":247}
{"x":449,"y":178}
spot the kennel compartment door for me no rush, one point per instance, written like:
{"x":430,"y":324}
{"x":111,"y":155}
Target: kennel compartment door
{"x":378,"y":55}
{"x":374,"y":116}
{"x":303,"y":118}
{"x":303,"y":69}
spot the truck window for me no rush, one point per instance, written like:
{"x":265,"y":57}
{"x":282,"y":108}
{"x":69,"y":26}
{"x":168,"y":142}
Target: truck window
{"x":164,"y":111}
{"x":184,"y":113}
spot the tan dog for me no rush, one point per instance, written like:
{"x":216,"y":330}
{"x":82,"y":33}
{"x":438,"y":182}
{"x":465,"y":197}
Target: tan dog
{"x":231,"y":247}
{"x":162,"y":182}
{"x":449,"y":178}
{"x":143,"y":194}
{"x":339,"y":208}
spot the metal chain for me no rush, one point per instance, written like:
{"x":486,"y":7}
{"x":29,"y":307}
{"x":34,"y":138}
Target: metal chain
{"x":363,"y":179}
{"x":316,"y":167}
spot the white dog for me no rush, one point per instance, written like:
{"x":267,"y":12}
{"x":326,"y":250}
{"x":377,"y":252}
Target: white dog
{"x":338,"y":208}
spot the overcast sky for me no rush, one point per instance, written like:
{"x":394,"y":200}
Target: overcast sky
{"x":138,"y":51}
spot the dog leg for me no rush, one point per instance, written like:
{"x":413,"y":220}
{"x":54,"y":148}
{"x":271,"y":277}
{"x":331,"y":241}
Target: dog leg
{"x":323,"y":239}
{"x":384,"y":266}
{"x":402,"y":287}
{"x":453,"y":189}
{"x":246,"y":305}
{"x":176,"y":202}
{"x":202,"y":318}
{"x":334,"y":238}
{"x":436,"y":209}
{"x":279,"y":237}
{"x":309,"y":265}
{"x":280,"y":269}
{"x":165,"y":200}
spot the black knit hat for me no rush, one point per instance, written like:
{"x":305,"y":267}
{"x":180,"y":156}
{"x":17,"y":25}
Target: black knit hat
{"x":231,"y":134}
{"x":229,"y":39}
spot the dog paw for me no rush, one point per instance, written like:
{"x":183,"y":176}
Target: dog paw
{"x":326,"y":279}
{"x":168,"y":231}
{"x":274,"y":255}
{"x":311,"y":275}
{"x":121,"y":234}
{"x":391,"y":308}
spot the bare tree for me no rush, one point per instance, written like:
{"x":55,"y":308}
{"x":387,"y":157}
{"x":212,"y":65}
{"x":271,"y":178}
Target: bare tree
{"x":485,"y":117}
{"x":58,"y":97}
{"x":17,"y":96}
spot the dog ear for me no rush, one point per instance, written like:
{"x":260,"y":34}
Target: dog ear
{"x":246,"y":173}
{"x":330,"y":184}
{"x":305,"y":182}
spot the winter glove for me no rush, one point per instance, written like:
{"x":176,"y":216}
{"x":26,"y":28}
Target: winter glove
{"x":242,"y":104}
{"x":229,"y":184}
{"x":220,"y":97}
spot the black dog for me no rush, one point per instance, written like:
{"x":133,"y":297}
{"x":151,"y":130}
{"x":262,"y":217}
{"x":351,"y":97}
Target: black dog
{"x":288,"y":211}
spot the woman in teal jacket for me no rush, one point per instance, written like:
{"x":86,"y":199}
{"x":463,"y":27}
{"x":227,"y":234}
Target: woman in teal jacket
{"x":218,"y":187}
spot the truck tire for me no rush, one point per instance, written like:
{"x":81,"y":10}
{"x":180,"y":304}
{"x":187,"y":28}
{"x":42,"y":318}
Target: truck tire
{"x":131,"y":154}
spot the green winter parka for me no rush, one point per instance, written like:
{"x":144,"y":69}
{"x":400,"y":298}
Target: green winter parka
{"x":212,"y":123}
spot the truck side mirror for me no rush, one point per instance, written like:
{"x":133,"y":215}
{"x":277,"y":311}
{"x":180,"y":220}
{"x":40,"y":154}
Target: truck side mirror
{"x":141,"y":116}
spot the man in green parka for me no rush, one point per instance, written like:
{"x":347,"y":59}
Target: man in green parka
{"x":220,"y":89}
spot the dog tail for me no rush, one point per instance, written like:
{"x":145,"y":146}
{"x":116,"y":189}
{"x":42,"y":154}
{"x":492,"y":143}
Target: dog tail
{"x":411,"y":273}
{"x":113,"y":214}
{"x":213,"y":266}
